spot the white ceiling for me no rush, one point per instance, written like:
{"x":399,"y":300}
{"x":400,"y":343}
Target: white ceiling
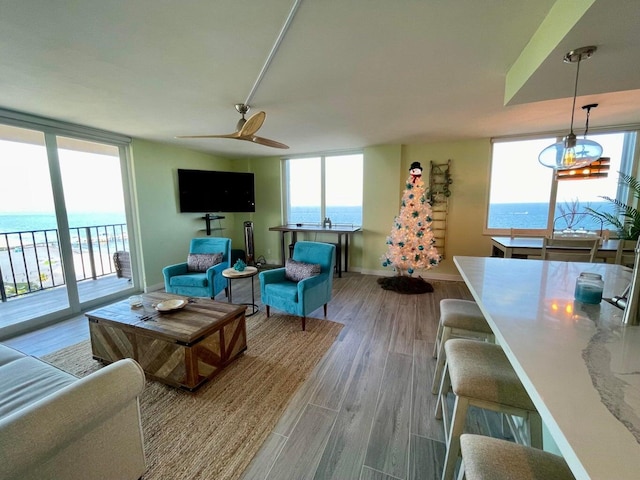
{"x":348,"y":74}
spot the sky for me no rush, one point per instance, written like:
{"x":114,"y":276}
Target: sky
{"x":343,"y":173}
{"x":91,"y":182}
{"x":518,"y":177}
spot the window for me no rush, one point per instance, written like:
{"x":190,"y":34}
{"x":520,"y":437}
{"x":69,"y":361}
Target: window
{"x":324,"y":186}
{"x":524,"y":196}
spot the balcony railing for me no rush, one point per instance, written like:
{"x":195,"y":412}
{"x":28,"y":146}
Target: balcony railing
{"x":31,"y":261}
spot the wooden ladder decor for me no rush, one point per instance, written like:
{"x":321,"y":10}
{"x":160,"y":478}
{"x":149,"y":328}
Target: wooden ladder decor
{"x":439,"y":193}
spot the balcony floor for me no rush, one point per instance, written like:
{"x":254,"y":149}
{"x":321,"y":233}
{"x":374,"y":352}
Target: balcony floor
{"x":33,"y":305}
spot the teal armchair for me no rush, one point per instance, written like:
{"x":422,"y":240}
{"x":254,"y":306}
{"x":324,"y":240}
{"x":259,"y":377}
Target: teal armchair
{"x":302,"y":297}
{"x":179,"y":280}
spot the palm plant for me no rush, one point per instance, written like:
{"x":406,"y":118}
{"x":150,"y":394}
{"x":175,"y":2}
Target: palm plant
{"x":626,"y":218}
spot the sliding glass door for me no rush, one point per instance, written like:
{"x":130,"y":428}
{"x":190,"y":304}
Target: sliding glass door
{"x":30,"y":255}
{"x":94,"y":203}
{"x":64,"y":236}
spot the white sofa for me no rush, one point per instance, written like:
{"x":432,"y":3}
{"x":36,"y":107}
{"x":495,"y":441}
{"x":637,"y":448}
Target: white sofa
{"x":54,"y":425}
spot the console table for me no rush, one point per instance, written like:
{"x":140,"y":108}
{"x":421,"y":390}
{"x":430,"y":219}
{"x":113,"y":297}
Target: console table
{"x":339,"y":230}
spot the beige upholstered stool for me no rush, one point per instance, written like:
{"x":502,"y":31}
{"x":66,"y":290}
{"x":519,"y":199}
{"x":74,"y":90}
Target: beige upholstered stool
{"x":458,"y":318}
{"x":485,"y":458}
{"x":479,"y":374}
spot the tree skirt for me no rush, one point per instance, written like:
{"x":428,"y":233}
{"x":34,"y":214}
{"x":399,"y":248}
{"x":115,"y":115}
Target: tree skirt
{"x":407,"y":285}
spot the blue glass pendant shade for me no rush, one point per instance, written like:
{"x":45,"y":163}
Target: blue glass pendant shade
{"x":570,"y":153}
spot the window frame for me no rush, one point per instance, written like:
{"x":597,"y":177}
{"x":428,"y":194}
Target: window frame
{"x":628,"y":164}
{"x":286,"y":207}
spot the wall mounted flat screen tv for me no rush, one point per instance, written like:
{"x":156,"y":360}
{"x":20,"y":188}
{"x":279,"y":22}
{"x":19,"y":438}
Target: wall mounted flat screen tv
{"x":204,"y":191}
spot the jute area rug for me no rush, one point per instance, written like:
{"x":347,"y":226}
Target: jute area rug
{"x":215,"y":432}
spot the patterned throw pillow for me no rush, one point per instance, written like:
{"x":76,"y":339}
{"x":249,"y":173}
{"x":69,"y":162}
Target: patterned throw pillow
{"x":201,"y":262}
{"x":296,"y":271}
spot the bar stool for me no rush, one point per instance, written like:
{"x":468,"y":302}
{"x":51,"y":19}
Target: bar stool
{"x":480,"y":375}
{"x":458,"y":318}
{"x":486,"y":458}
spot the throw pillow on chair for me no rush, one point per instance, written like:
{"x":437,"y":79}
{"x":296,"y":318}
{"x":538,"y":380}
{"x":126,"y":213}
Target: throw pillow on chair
{"x":296,"y":271}
{"x":201,"y":262}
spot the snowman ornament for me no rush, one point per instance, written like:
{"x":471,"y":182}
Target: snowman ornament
{"x":415,"y":171}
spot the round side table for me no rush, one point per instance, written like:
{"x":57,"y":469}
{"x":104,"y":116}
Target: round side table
{"x":249,"y":272}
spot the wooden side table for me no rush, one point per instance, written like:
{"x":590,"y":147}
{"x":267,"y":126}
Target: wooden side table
{"x":249,"y":272}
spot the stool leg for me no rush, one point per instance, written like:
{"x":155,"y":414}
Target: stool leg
{"x":535,"y":430}
{"x":506,"y":430}
{"x":461,"y":475}
{"x":445,"y":384}
{"x":437,"y":375}
{"x":436,"y":344}
{"x":453,"y":445}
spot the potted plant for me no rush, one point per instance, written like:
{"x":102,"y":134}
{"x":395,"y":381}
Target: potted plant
{"x":626,"y":218}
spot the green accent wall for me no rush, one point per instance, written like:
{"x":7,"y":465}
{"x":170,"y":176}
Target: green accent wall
{"x":381,"y":202}
{"x":164,"y":232}
{"x":386,"y":171}
{"x":268,"y":212}
{"x":470,"y":171}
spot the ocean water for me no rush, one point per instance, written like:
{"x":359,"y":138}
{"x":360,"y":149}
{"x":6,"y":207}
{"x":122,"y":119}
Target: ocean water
{"x":336,"y":214}
{"x":21,"y":222}
{"x":501,"y":215}
{"x":534,"y":215}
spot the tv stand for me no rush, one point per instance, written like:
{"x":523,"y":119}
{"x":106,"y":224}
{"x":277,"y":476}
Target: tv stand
{"x":208,"y":218}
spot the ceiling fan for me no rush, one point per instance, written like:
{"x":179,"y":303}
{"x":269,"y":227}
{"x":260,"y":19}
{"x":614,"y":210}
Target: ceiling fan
{"x":246,"y":129}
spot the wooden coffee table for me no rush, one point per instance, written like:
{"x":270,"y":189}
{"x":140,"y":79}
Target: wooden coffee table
{"x":184,"y":347}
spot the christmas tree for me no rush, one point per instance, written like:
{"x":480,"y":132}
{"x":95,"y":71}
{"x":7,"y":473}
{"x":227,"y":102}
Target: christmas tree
{"x":410,"y":246}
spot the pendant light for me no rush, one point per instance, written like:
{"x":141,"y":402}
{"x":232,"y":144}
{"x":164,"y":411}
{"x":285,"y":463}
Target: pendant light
{"x":572,"y":152}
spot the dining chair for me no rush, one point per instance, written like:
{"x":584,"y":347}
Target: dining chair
{"x":570,"y":249}
{"x":626,"y":252}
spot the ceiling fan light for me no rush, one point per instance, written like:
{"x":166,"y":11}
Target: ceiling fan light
{"x":570,"y":153}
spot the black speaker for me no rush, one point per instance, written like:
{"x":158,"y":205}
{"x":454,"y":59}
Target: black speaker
{"x":248,"y":242}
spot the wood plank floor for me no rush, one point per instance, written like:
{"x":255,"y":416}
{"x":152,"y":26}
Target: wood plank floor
{"x":366,"y":412}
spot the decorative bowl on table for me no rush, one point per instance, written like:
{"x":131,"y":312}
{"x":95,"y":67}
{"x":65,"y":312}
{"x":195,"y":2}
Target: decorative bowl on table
{"x":169,"y":305}
{"x":135,"y":301}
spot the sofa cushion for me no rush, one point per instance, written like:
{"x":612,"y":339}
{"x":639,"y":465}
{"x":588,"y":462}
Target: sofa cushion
{"x":27,"y":380}
{"x":201,"y":262}
{"x":189,"y":280}
{"x":296,"y":271}
{"x":8,"y":354}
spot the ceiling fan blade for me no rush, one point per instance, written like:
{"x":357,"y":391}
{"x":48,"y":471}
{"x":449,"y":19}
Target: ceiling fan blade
{"x":267,"y":142}
{"x":253,"y":124}
{"x":245,"y":131}
{"x":229,"y":135}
